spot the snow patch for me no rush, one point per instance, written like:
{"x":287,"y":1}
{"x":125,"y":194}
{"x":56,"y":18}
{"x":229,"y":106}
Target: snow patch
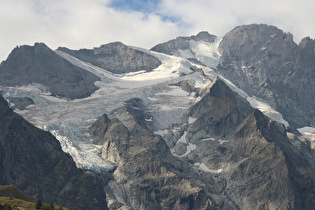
{"x":221,"y":141}
{"x":265,"y":108}
{"x":207,"y":53}
{"x":85,"y":155}
{"x":203,"y":167}
{"x":149,"y":120}
{"x":308,"y":132}
{"x":190,"y":147}
{"x":257,"y":103}
{"x":191,"y":120}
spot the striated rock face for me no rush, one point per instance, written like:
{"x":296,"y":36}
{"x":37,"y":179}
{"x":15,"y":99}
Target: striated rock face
{"x":116,"y":57}
{"x":33,"y":160}
{"x":230,"y":156}
{"x":261,"y":166}
{"x":146,"y":175}
{"x":264,"y":61}
{"x":222,"y":110}
{"x":40,"y":65}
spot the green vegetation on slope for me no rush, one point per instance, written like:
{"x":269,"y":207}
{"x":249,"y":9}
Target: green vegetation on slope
{"x":13,"y":198}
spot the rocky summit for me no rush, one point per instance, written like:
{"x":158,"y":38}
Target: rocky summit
{"x":266,"y":62}
{"x":40,"y":66}
{"x":116,"y":57}
{"x":197,"y":122}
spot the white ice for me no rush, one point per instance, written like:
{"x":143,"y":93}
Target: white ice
{"x":168,"y":104}
{"x":308,"y":132}
{"x":203,"y":167}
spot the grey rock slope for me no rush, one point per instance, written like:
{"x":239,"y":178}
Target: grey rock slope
{"x":261,"y":166}
{"x":33,"y":160}
{"x":116,"y":57}
{"x":234,"y":158}
{"x":265,"y":61}
{"x":146,"y":174}
{"x":39,"y":64}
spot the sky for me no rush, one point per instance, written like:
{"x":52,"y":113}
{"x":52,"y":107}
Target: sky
{"x":80,"y":24}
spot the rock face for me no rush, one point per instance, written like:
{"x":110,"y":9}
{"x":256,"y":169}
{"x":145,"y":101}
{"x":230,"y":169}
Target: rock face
{"x":146,"y":176}
{"x":230,"y":157}
{"x":264,"y":61}
{"x":261,"y":166}
{"x":40,"y":65}
{"x":33,"y":160}
{"x":116,"y":57}
{"x":99,"y":128}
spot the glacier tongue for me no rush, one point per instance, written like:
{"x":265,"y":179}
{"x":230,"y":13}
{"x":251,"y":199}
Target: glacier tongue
{"x":69,"y":120}
{"x":166,"y":102}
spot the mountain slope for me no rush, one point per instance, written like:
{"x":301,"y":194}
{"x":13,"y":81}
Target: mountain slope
{"x":262,"y":167}
{"x":32,"y":160}
{"x":233,"y":157}
{"x":181,"y":136}
{"x":264,"y":61}
{"x":146,"y":175}
{"x":33,"y":65}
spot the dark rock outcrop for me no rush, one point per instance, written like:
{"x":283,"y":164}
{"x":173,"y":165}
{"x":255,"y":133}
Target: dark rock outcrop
{"x":21,"y":103}
{"x":33,"y":160}
{"x":222,"y":110}
{"x":98,"y":129}
{"x":40,"y":65}
{"x":264,"y":61}
{"x":116,"y":57}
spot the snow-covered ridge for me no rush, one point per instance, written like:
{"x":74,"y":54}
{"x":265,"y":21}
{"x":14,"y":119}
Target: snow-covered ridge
{"x":258,"y":103}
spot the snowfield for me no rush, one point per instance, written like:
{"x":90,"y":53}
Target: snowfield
{"x":167,"y":103}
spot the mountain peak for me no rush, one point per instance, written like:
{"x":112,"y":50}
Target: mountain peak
{"x":182,"y":43}
{"x":204,"y":36}
{"x":39,"y":64}
{"x":116,"y":57}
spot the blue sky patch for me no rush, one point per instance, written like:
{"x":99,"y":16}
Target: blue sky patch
{"x":145,"y":6}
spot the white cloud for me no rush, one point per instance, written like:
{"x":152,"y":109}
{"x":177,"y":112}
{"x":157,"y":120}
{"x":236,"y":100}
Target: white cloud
{"x":220,"y":16}
{"x":77,"y":24}
{"x":90,"y":23}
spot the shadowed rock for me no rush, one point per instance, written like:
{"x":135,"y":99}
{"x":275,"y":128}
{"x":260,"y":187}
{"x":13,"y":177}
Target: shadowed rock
{"x":33,"y":160}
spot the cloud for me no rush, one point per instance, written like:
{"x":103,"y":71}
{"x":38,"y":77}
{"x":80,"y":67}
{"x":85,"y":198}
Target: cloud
{"x":77,"y":24}
{"x":90,"y":23}
{"x":220,"y":16}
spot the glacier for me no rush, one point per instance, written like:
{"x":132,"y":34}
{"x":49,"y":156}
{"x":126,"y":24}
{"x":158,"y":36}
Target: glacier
{"x":167,"y":103}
